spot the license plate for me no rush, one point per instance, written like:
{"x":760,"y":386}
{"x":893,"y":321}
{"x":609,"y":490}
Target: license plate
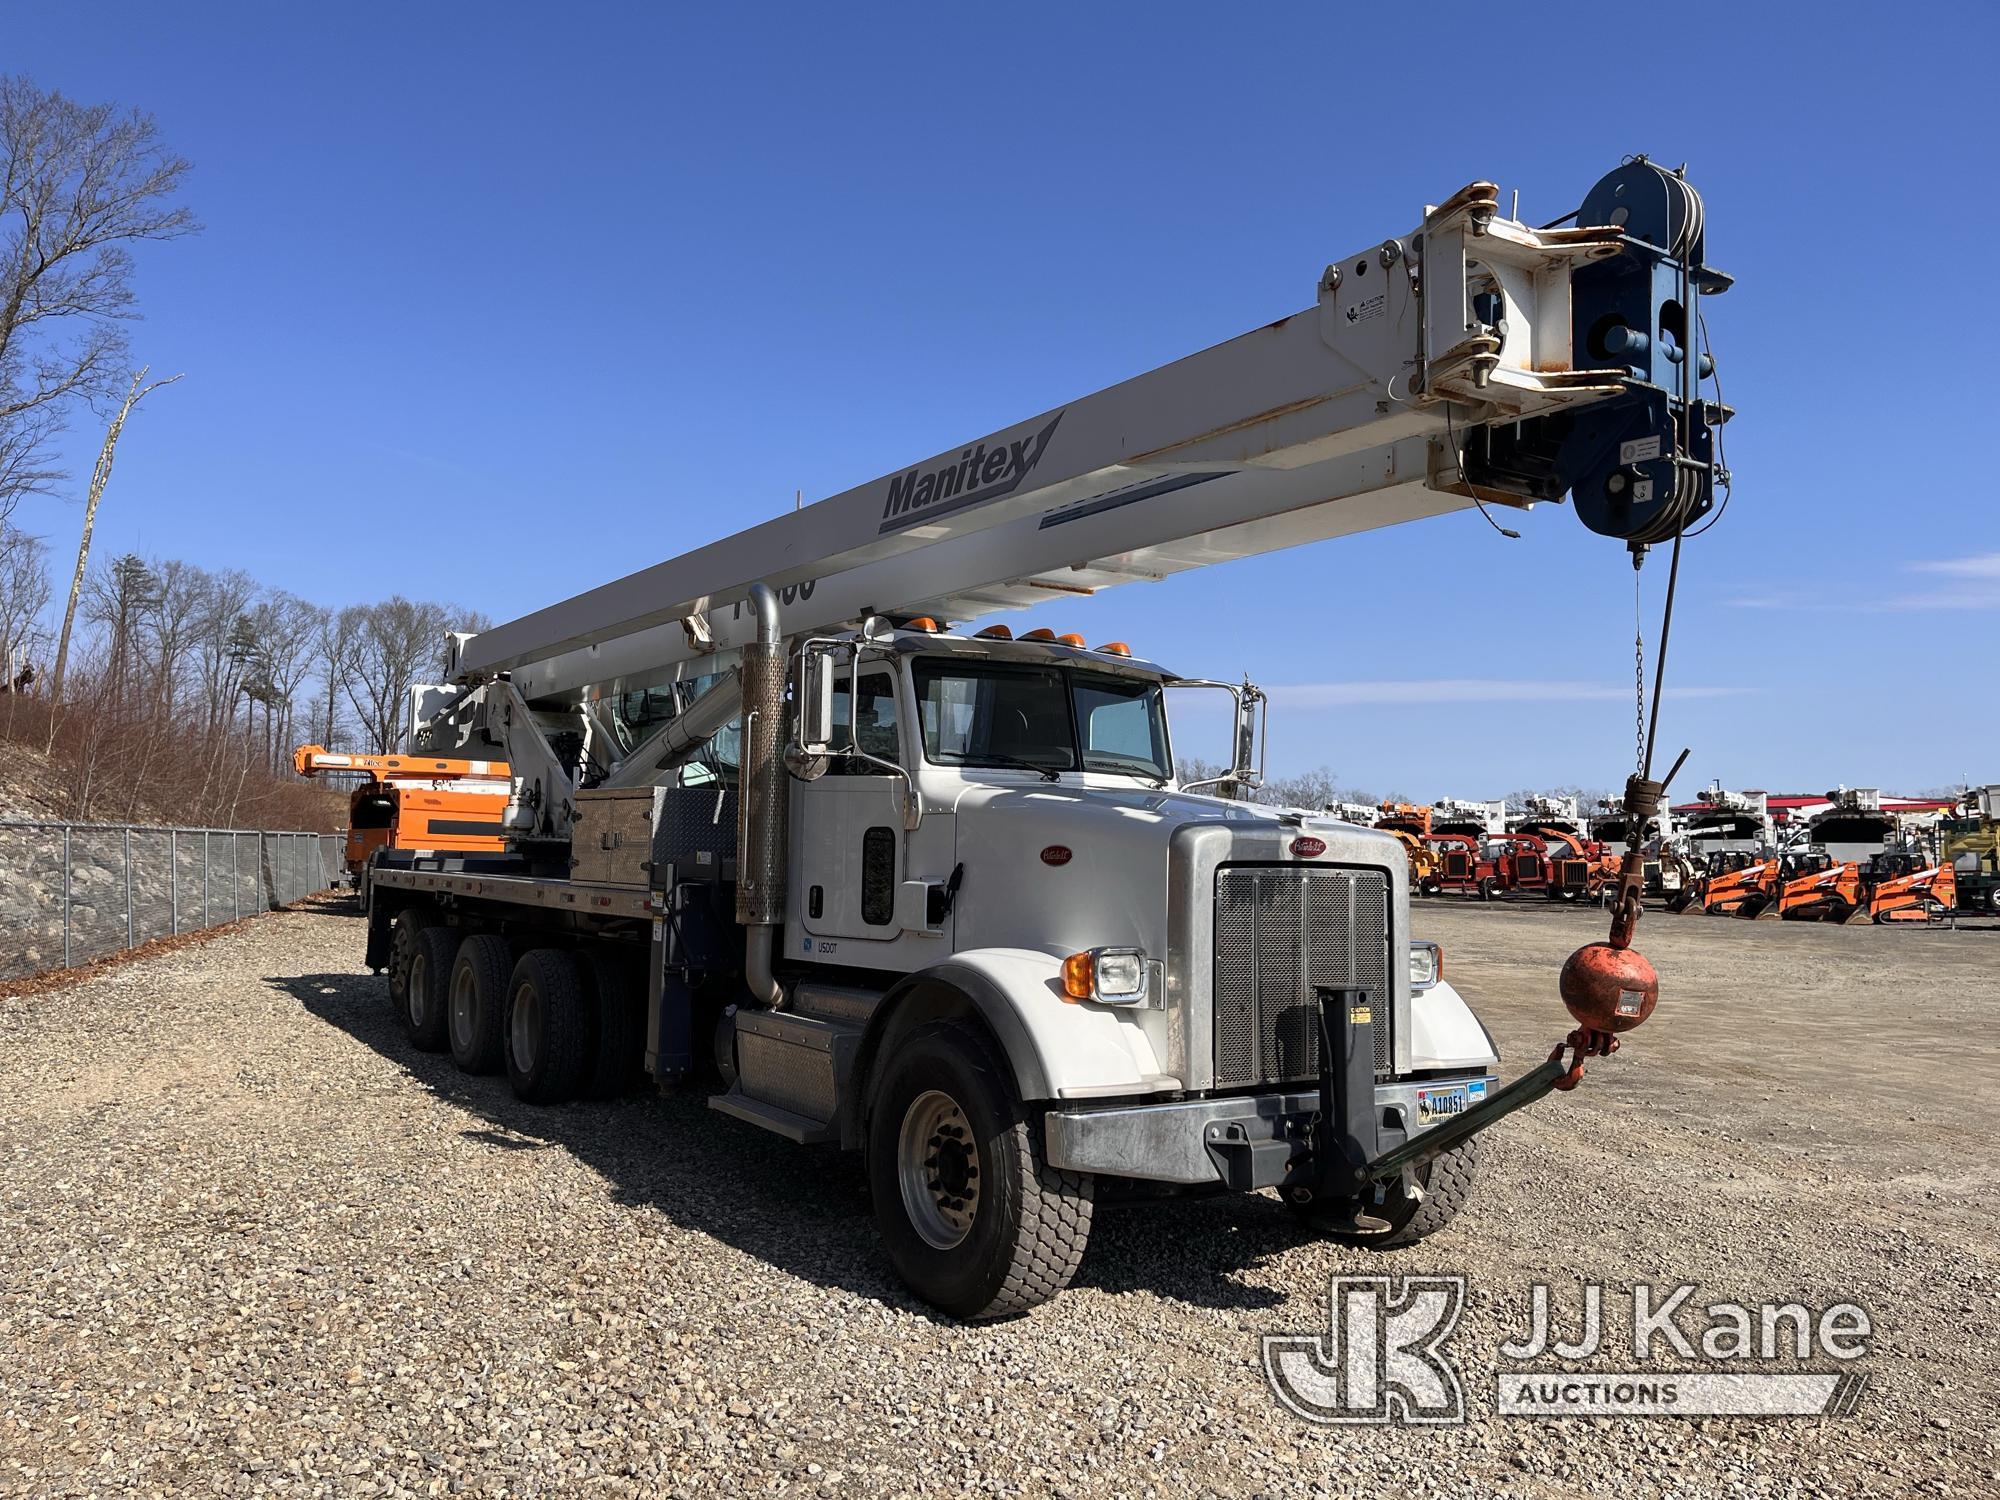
{"x":1434,"y":1105}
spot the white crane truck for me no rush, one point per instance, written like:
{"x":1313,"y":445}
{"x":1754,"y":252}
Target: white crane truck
{"x":938,"y":896}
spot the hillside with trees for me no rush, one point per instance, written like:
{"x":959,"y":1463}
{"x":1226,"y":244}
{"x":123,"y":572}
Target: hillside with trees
{"x":136,"y":688}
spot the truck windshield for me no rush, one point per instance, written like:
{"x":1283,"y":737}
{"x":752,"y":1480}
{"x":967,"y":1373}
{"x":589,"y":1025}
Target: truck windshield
{"x":1037,"y":717}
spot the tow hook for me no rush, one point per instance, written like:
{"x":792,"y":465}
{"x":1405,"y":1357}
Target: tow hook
{"x":1608,"y":988}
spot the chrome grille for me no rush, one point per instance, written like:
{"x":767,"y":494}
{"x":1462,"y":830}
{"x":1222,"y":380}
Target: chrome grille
{"x":1283,"y":933}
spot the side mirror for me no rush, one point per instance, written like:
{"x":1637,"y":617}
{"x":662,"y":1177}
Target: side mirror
{"x":1248,"y":767}
{"x":815,"y":727}
{"x":810,"y":751}
{"x":1246,"y":770}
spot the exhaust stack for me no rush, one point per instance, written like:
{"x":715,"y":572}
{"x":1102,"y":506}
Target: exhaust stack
{"x":760,"y":827}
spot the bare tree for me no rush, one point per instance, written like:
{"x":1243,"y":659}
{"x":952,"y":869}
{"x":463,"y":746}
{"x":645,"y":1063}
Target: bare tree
{"x":171,"y":625}
{"x":24,"y":589}
{"x":332,"y":645}
{"x":118,"y":599}
{"x":79,"y":184}
{"x":99,"y":478}
{"x":217,"y":671}
{"x":397,"y":639}
{"x":285,"y":635}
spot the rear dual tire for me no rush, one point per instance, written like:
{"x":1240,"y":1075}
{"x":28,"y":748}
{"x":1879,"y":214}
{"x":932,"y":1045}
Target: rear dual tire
{"x":547,"y":1033}
{"x":426,"y":1006}
{"x":478,"y":1002}
{"x":407,"y":928}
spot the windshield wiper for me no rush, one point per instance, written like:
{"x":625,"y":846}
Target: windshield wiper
{"x":1121,"y":765}
{"x":996,"y":758}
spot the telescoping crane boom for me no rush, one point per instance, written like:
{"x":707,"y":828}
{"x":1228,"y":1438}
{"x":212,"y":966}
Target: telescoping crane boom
{"x":940,"y":894}
{"x":1470,"y":360}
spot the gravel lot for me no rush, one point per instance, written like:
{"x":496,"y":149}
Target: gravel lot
{"x":250,"y":1243}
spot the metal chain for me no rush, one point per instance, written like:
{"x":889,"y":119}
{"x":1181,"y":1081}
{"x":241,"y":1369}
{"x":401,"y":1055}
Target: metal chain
{"x":1639,"y":674}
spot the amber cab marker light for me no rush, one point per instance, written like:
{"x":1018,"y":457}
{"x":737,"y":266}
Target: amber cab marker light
{"x":1079,"y":976}
{"x":1115,"y":648}
{"x":1044,"y":634}
{"x":996,"y":633}
{"x":922,"y":622}
{"x":1071,"y":639}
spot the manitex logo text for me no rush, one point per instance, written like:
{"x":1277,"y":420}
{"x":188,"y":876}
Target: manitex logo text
{"x":983,"y":472}
{"x":1384,"y":1357}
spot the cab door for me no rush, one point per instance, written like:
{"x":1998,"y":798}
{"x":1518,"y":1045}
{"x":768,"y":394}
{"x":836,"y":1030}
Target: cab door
{"x":851,"y":824}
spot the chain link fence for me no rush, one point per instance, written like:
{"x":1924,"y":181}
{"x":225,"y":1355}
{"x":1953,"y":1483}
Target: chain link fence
{"x":71,"y":892}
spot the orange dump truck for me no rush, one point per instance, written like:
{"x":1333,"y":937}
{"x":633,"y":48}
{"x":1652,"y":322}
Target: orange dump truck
{"x":420,"y":802}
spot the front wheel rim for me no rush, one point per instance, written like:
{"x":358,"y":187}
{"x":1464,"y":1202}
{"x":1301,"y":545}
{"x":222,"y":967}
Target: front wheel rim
{"x":937,"y":1168}
{"x":525,"y":1027}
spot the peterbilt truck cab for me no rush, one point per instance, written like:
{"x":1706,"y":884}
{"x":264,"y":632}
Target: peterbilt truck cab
{"x":986,"y":840}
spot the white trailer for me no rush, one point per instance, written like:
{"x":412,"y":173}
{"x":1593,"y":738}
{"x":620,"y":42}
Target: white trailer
{"x":937,"y":895}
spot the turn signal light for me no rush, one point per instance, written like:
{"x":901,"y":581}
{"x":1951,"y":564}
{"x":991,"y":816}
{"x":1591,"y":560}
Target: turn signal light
{"x":1044,"y":634}
{"x":995,"y":633}
{"x":1116,"y":648}
{"x":1079,"y":976}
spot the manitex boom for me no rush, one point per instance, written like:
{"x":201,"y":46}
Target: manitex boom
{"x":938,"y":895}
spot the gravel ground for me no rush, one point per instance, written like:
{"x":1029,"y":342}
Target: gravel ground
{"x":250,"y":1243}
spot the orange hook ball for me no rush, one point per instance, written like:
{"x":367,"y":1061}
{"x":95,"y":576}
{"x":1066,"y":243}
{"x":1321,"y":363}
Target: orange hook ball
{"x":1607,"y":988}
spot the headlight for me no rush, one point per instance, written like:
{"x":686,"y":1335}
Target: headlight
{"x":1113,"y":976}
{"x":1426,"y":965}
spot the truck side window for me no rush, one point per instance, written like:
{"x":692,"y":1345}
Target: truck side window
{"x":874,"y":727}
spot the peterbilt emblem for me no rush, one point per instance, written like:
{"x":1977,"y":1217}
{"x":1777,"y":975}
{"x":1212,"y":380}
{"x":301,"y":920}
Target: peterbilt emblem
{"x":1308,"y":847}
{"x":1056,"y":854}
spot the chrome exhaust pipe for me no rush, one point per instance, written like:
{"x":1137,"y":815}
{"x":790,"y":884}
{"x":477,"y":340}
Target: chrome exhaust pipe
{"x":760,"y":800}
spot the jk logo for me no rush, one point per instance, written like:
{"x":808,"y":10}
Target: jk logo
{"x":1382,"y":1359}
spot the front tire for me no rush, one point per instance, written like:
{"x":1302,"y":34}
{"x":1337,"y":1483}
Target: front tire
{"x":974,"y":1220}
{"x":1446,"y":1181}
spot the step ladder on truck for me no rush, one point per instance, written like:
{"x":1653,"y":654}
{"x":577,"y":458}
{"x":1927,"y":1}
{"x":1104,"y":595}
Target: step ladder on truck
{"x":937,"y":895}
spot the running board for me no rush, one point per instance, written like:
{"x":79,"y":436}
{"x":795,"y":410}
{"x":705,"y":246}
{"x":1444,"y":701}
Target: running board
{"x":793,"y":1127}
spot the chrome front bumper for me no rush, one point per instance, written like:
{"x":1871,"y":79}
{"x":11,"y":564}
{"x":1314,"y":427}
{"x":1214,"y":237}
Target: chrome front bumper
{"x":1243,"y":1143}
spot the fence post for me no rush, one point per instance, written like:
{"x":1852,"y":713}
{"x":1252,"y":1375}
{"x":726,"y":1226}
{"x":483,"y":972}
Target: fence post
{"x":205,"y":919}
{"x":174,"y":869}
{"x":236,"y":873}
{"x":65,"y":864}
{"x":129,"y":942}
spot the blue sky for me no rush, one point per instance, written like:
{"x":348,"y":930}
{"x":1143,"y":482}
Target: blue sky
{"x":494,"y":303}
